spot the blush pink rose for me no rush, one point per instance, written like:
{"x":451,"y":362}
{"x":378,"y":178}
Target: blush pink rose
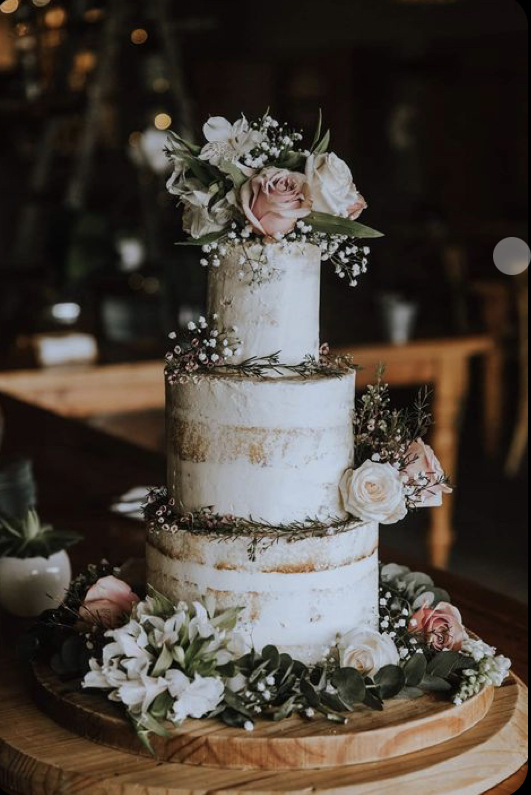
{"x":440,"y":627}
{"x":356,"y":209}
{"x":274,"y":200}
{"x":424,"y":461}
{"x":107,"y":602}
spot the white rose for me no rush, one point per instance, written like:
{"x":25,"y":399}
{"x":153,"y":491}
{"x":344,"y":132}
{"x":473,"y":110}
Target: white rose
{"x":367,"y":651}
{"x":228,"y":141}
{"x":332,"y":187}
{"x":374,"y":493}
{"x":193,"y":699}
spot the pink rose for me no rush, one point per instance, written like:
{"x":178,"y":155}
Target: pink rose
{"x":440,"y":627}
{"x":107,"y":602}
{"x":424,"y":462}
{"x":356,"y":209}
{"x":274,"y":200}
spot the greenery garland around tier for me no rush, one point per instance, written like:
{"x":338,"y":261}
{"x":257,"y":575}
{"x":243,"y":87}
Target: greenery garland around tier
{"x":166,"y":662}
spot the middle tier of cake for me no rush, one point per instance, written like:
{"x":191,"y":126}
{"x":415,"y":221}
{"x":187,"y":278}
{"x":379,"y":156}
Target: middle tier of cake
{"x":273,"y":449}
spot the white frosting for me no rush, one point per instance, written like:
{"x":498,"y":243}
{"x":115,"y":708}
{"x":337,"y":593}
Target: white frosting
{"x":296,"y":595}
{"x":272,"y":450}
{"x":277,"y":312}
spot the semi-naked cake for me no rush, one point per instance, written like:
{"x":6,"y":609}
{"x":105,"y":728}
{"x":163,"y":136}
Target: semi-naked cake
{"x":271,"y":449}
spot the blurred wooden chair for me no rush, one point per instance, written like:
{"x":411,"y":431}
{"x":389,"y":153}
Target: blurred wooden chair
{"x":520,"y":436}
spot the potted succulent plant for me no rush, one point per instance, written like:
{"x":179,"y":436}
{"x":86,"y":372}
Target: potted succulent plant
{"x":35,"y":569}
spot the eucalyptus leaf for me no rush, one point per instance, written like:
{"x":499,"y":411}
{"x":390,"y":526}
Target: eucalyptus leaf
{"x":372,"y":701}
{"x":309,"y":693}
{"x":443,"y":664}
{"x":272,"y":655}
{"x":415,"y":670}
{"x":334,"y":225}
{"x":411,"y":693}
{"x":236,"y":720}
{"x":349,"y":685}
{"x":435,"y":684}
{"x":390,"y":679}
{"x":286,"y":709}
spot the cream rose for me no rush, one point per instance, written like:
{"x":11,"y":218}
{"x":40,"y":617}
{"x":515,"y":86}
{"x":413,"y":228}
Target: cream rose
{"x":332,"y":187}
{"x":425,"y":464}
{"x":274,"y":200}
{"x":367,"y":651}
{"x":374,"y":492}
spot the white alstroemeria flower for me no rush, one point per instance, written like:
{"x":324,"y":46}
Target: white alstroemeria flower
{"x":228,"y":141}
{"x":139,"y":694}
{"x":96,"y":677}
{"x":200,"y":624}
{"x":167,"y":632}
{"x":179,"y":168}
{"x":137,"y":666}
{"x":132,"y":639}
{"x":202,"y":696}
{"x":177,"y":682}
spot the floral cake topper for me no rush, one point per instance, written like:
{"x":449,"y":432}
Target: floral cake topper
{"x":254,"y":181}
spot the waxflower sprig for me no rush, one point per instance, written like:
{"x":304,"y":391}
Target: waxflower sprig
{"x":254,"y":181}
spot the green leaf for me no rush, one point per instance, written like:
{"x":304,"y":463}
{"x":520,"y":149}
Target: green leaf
{"x":411,"y":693}
{"x":434,"y":684}
{"x":272,"y":655}
{"x":334,"y":703}
{"x":286,"y":709}
{"x":391,"y":679}
{"x":308,"y":692}
{"x":194,"y":149}
{"x":372,"y":701}
{"x":334,"y":225}
{"x":350,"y":686}
{"x":164,"y":661}
{"x":317,"y":135}
{"x":234,"y":719}
{"x":322,"y":146}
{"x":415,"y":670}
{"x":294,"y":161}
{"x":228,"y":619}
{"x":204,"y":240}
{"x":237,"y":176}
{"x":161,"y":706}
{"x":443,"y":664}
{"x":236,"y":703}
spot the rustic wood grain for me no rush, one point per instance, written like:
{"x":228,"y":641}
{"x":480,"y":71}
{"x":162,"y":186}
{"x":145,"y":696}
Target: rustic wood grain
{"x":38,"y":757}
{"x":296,"y":744}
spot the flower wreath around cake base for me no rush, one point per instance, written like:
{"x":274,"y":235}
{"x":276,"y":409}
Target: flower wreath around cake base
{"x":166,"y":662}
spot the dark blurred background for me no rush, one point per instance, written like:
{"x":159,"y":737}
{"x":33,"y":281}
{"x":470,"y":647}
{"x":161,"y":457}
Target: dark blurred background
{"x":426,"y":99}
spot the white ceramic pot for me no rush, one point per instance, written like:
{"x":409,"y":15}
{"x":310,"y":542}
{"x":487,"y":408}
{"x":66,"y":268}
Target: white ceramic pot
{"x":30,"y":585}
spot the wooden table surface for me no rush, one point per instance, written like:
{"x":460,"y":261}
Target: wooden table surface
{"x":80,"y":470}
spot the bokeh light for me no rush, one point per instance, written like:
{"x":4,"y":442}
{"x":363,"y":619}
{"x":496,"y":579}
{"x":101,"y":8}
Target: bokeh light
{"x":9,"y":6}
{"x":162,"y":121}
{"x":139,"y":36}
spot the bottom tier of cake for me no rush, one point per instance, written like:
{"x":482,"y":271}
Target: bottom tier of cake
{"x":297,"y":595}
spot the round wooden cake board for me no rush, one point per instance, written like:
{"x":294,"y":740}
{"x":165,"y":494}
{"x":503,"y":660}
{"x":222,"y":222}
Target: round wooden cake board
{"x":39,"y":757}
{"x":403,"y":727}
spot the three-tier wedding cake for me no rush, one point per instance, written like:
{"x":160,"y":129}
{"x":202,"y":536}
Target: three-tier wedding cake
{"x":266,"y":508}
{"x":271,"y":449}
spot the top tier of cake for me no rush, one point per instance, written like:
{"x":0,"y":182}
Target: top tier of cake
{"x":270,"y":294}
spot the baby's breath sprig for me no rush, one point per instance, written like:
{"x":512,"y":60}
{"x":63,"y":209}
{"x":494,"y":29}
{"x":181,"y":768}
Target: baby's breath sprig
{"x":207,"y":348}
